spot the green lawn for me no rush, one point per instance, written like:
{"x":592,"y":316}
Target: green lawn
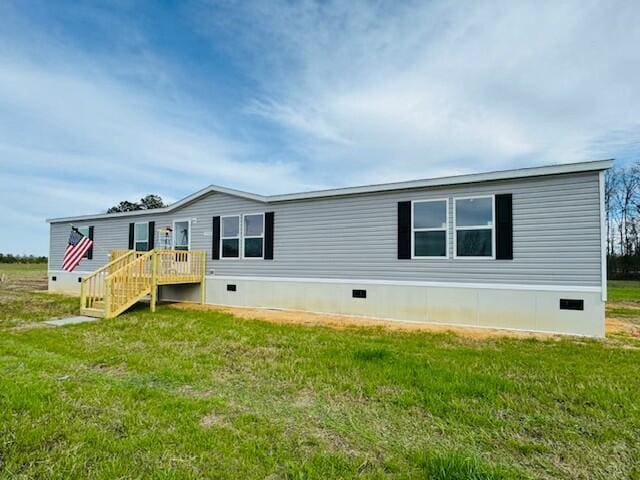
{"x":624,"y":291}
{"x":191,"y":394}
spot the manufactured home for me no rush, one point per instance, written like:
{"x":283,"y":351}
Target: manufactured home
{"x":519,"y":249}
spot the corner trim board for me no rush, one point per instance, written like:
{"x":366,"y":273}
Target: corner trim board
{"x":603,"y":239}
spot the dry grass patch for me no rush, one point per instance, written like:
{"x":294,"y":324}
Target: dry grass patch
{"x":214,"y":419}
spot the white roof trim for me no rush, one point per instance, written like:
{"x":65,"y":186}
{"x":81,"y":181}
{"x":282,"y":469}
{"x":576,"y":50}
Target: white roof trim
{"x":597,"y":165}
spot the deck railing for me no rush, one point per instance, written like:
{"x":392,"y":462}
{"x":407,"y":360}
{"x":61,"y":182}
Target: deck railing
{"x":129,"y":283}
{"x":93,"y":287}
{"x":174,"y":266}
{"x":115,"y":254}
{"x":130,"y":276}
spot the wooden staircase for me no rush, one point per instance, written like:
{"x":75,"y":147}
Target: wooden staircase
{"x":130,"y":276}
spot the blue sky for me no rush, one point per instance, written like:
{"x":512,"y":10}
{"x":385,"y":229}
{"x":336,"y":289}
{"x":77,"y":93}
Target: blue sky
{"x":105,"y":101}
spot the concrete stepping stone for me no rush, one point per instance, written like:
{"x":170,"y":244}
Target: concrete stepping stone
{"x":60,"y":322}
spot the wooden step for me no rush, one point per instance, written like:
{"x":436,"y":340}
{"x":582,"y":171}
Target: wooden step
{"x":92,"y":312}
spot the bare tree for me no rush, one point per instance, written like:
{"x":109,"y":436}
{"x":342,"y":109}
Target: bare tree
{"x":628,"y":201}
{"x":611,"y":187}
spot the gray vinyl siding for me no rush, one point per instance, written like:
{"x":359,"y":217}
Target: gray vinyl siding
{"x":556,"y":235}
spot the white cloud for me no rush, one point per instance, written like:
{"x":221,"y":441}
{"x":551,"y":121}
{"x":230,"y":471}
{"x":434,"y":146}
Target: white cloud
{"x":341,"y":93}
{"x":435,"y":87}
{"x":75,"y":138}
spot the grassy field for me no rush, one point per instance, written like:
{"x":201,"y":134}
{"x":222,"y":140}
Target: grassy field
{"x":192,"y":394}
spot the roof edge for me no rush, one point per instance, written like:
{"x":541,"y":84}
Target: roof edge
{"x":594,"y":165}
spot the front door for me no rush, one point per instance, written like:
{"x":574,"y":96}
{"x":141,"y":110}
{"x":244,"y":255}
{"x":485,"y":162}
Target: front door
{"x":181,"y":235}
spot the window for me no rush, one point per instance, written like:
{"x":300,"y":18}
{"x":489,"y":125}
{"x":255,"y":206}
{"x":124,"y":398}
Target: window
{"x":141,"y":237}
{"x":253,"y":231}
{"x":84,"y":231}
{"x":181,"y":234}
{"x":429,"y":228}
{"x":474,"y":221}
{"x":230,"y":244}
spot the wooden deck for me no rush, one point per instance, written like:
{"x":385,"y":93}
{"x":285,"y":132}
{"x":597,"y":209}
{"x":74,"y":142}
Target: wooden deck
{"x":131,"y":276}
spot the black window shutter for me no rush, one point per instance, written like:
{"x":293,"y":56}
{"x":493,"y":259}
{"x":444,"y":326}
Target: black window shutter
{"x":90,"y":251}
{"x":152,"y":235}
{"x":404,"y":230}
{"x":132,"y":227}
{"x":268,"y":236}
{"x":504,"y":227}
{"x":215,"y":245}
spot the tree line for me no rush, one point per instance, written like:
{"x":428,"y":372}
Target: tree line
{"x":11,"y":258}
{"x":622,"y":201}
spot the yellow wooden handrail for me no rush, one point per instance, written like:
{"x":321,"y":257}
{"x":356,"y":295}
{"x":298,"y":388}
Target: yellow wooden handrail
{"x":93,"y":288}
{"x":180,"y":265}
{"x":120,"y":252}
{"x":117,"y":253}
{"x":126,"y":285}
{"x":122,"y":259}
{"x":132,"y":275}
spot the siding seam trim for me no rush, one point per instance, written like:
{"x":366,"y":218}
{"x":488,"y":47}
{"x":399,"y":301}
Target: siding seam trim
{"x":71,"y":273}
{"x":490,"y":286}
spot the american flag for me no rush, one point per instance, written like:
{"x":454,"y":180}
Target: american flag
{"x":76,"y":248}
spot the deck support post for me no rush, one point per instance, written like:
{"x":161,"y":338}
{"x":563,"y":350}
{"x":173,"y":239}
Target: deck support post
{"x":83,"y":302}
{"x":202,"y":283}
{"x":107,"y":297}
{"x":154,"y":282}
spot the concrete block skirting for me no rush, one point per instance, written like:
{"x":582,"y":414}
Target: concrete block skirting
{"x":516,"y":307}
{"x":65,"y":282}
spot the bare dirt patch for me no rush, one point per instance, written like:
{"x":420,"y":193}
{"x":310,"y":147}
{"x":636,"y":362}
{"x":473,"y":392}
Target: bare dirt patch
{"x":612,"y":325}
{"x":347,"y":322}
{"x":23,"y":284}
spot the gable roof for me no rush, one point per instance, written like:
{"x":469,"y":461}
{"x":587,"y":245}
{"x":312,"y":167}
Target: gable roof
{"x":596,"y":165}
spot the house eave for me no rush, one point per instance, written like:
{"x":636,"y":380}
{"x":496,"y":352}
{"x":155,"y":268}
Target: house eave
{"x":596,"y":165}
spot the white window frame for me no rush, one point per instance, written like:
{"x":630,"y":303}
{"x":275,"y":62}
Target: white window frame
{"x":135,"y":241}
{"x":173,"y":240}
{"x":414,"y":230}
{"x":475,"y":227}
{"x":244,"y":237}
{"x":239,"y":236}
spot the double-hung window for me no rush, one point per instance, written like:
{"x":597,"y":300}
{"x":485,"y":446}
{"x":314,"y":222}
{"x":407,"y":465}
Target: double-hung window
{"x":474,"y":227}
{"x":230,"y":237}
{"x":430,"y":228}
{"x":253,"y":235}
{"x":141,"y":237}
